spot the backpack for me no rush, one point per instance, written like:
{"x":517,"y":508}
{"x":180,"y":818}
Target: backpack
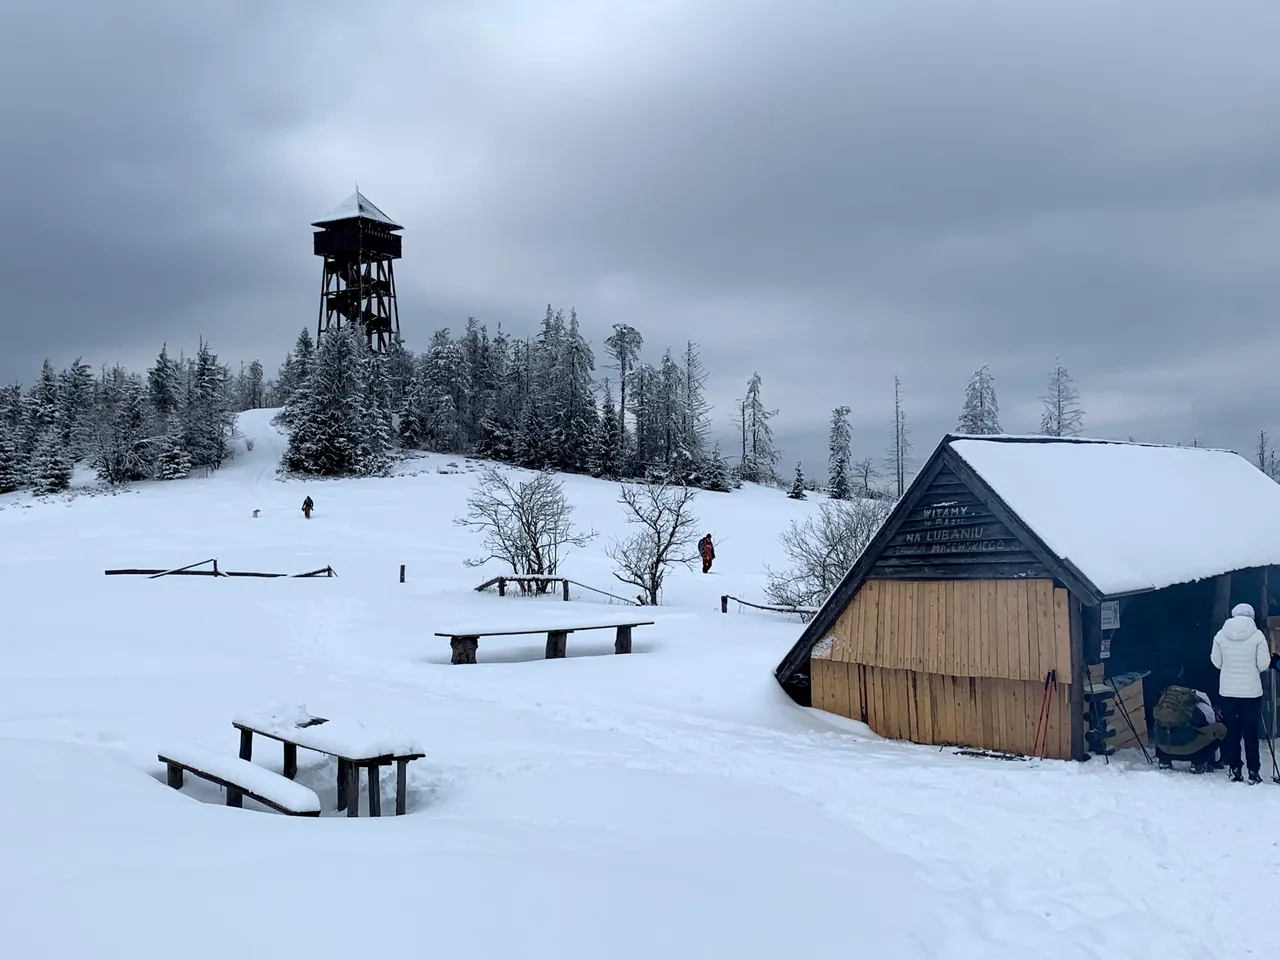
{"x":1177,"y":707}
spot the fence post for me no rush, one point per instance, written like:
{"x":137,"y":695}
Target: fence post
{"x":502,"y":586}
{"x":566,"y":590}
{"x":402,"y":573}
{"x":724,"y":604}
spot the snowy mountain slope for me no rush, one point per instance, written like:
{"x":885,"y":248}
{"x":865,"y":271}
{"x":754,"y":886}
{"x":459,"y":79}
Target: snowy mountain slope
{"x":671,"y":803}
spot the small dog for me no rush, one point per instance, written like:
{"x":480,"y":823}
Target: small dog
{"x":255,"y":514}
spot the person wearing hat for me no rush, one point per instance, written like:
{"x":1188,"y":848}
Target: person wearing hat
{"x":1241,"y":654}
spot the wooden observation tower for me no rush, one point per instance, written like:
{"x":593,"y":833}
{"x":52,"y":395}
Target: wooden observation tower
{"x":358,"y":243}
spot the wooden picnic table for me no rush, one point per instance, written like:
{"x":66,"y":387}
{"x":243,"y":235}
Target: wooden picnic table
{"x":465,"y":640}
{"x":350,"y":744}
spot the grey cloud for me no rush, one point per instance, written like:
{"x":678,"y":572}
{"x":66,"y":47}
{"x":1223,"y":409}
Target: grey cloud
{"x":827,"y":192}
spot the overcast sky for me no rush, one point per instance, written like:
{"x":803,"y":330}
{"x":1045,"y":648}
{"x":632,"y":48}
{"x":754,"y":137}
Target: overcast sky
{"x":826,"y":192}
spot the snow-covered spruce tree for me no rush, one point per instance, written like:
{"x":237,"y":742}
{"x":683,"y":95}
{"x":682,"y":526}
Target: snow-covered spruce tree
{"x":981,"y":412}
{"x":399,"y":369}
{"x":666,"y":535}
{"x":294,"y":372}
{"x":13,"y":459}
{"x":51,"y":467}
{"x":207,"y":415}
{"x":123,"y":445}
{"x":898,"y":458}
{"x":76,"y":391}
{"x":695,"y":411}
{"x":13,"y":466}
{"x":501,"y":413}
{"x":822,"y":548}
{"x":334,"y":428}
{"x":645,"y":448}
{"x":525,"y":524}
{"x":172,"y":461}
{"x":39,"y":411}
{"x":608,"y":439}
{"x":164,"y":386}
{"x":410,"y":428}
{"x":759,"y":454}
{"x":578,"y":419}
{"x":797,"y":486}
{"x":1062,"y":415}
{"x":250,"y":388}
{"x":624,"y":346}
{"x":436,"y":391}
{"x":716,"y":475}
{"x":838,"y":450}
{"x":379,"y":438}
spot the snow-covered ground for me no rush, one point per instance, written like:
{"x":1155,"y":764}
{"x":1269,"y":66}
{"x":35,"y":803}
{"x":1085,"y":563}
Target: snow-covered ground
{"x":672,"y":803}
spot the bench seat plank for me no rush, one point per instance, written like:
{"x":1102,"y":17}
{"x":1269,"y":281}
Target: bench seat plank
{"x":551,"y":627}
{"x":235,"y":774}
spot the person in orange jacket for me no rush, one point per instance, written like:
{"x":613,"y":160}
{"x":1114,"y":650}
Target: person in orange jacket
{"x":707,"y":551}
{"x":307,"y":507}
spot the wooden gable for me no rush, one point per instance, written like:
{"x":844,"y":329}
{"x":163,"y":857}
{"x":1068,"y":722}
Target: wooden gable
{"x":948,"y":532}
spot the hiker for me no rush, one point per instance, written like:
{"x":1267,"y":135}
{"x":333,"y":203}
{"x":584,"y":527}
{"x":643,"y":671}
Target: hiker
{"x":307,"y":506}
{"x":1187,"y":728}
{"x":707,"y":551}
{"x":1240,"y":653}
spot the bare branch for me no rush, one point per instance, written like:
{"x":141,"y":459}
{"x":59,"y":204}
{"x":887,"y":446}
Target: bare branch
{"x":822,"y":548}
{"x":666,"y":536}
{"x":525,"y":524}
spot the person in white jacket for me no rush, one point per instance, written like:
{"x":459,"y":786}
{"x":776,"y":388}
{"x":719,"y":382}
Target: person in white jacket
{"x":1241,"y":654}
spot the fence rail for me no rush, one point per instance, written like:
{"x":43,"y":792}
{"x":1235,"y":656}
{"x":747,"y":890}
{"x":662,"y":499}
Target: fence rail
{"x":805,"y":613}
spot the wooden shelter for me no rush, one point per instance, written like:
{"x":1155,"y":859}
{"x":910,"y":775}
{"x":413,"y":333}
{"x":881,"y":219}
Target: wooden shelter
{"x":1015,"y":562}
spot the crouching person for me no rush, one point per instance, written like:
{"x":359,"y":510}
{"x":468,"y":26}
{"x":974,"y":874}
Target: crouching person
{"x":1187,"y":728}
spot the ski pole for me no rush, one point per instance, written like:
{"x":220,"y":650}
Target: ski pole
{"x":1124,"y":711}
{"x":1271,"y":731}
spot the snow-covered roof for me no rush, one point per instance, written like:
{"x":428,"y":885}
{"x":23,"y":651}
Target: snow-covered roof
{"x":356,"y":205}
{"x":1134,"y":517}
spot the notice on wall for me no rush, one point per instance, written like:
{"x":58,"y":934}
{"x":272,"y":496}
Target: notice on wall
{"x":1110,"y":614}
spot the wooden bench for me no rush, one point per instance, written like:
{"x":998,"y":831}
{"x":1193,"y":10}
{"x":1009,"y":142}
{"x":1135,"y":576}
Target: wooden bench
{"x":466,"y":640}
{"x":539,"y":582}
{"x":241,"y":779}
{"x":354,"y":748}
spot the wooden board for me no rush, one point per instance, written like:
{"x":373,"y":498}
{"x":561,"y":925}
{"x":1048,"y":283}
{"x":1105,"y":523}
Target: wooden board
{"x":1003,"y":629}
{"x":987,"y":713}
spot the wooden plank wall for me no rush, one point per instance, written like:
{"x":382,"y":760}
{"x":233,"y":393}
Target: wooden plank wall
{"x":1002,"y":629}
{"x":936,"y":709}
{"x":960,"y":662}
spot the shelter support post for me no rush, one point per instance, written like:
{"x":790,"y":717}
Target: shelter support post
{"x":1077,"y":679}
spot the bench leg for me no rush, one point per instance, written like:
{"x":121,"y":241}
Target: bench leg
{"x":464,"y":649}
{"x":174,"y":776}
{"x":235,"y":797}
{"x":342,"y":785}
{"x":375,"y":791}
{"x":290,"y":760}
{"x":246,"y":744}
{"x":402,"y":786}
{"x":557,"y":643}
{"x":353,"y":790}
{"x":623,"y":643}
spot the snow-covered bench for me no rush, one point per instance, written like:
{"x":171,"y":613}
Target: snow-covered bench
{"x":465,"y":639}
{"x":240,"y":778}
{"x":352,"y":744}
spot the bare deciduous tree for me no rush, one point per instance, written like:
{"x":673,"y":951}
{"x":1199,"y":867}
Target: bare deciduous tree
{"x":822,"y":548}
{"x":525,"y":524}
{"x":667,"y":535}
